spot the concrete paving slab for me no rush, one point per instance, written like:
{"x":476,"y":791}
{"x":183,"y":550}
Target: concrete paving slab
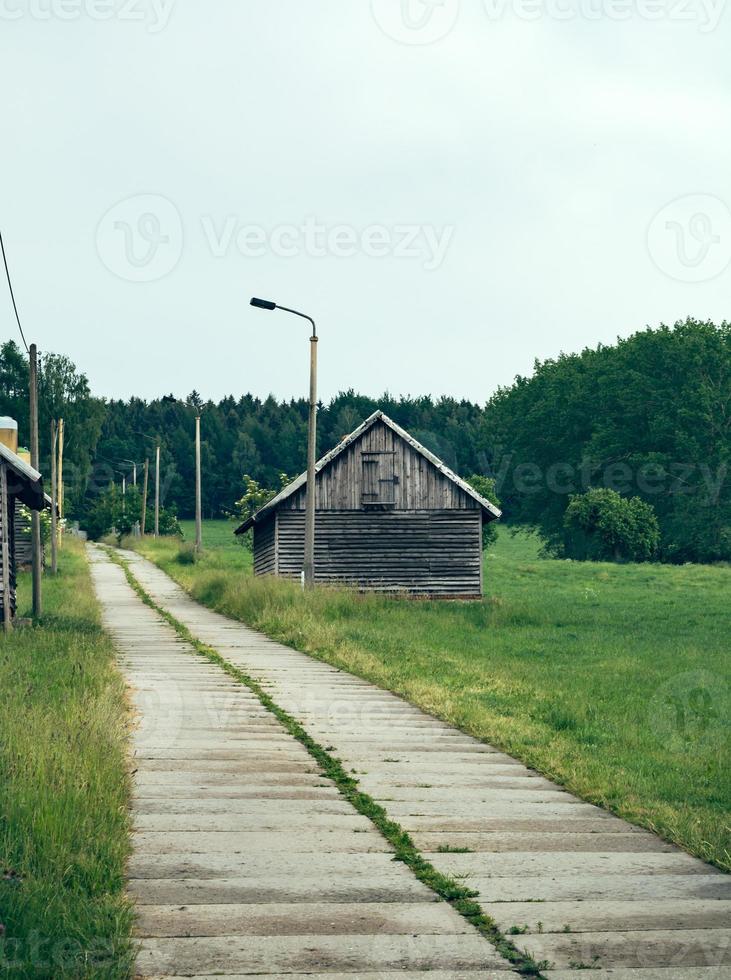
{"x":215,"y":864}
{"x":393,"y":886}
{"x":462,"y":797}
{"x":377,"y":975}
{"x":261,"y":762}
{"x":246,"y":770}
{"x":600,"y":888}
{"x":302,"y":954}
{"x":610,"y":916}
{"x":673,"y":948}
{"x":570,"y":843}
{"x":293,"y":919}
{"x":505,"y":816}
{"x":233,"y":791}
{"x":196,"y":816}
{"x":541,"y":823}
{"x":344,"y":849}
{"x":227,"y":787}
{"x":564,"y":864}
{"x":663,"y":973}
{"x":499,"y":777}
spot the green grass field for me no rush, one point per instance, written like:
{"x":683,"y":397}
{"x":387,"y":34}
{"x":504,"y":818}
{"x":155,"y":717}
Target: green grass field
{"x":611,"y":679}
{"x":64,"y":834}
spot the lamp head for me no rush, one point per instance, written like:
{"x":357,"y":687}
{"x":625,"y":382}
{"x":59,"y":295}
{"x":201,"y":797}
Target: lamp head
{"x":263,"y":304}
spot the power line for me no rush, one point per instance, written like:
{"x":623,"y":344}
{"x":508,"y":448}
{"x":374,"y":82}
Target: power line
{"x":12,"y":294}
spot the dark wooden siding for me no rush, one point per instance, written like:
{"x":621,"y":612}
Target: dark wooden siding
{"x":265,"y":540}
{"x":429,"y":552}
{"x":23,"y":540}
{"x":11,"y":552}
{"x":416,"y":484}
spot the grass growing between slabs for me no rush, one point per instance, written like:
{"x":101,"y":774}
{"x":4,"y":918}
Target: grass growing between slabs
{"x":64,"y":835}
{"x":613,"y":680}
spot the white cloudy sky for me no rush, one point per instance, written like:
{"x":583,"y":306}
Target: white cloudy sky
{"x":535,"y":152}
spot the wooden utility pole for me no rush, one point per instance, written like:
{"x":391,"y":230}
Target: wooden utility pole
{"x":309,"y":562}
{"x":5,"y":518}
{"x":54,"y":498}
{"x":198,"y":524}
{"x":34,"y":462}
{"x":143,"y":516}
{"x":59,"y":492}
{"x":157,"y":490}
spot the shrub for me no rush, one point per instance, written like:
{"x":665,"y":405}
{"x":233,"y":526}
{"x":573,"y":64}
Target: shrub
{"x":187,"y":555}
{"x":167,"y":521}
{"x":600,"y":525}
{"x":113,"y":511}
{"x":254,"y":498}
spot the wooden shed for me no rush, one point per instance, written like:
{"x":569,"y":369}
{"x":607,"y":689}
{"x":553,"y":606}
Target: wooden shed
{"x":19,"y":484}
{"x":390,"y":516}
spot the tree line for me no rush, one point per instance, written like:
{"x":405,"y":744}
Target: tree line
{"x":648,"y":418}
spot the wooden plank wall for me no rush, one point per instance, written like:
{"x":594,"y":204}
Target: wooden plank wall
{"x":265,"y":547}
{"x":23,"y":540}
{"x":420,"y":485}
{"x":420,"y":552}
{"x":11,"y":552}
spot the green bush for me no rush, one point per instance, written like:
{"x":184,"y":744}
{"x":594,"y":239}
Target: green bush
{"x":187,"y":555}
{"x":113,"y":512}
{"x":600,"y":525}
{"x":253,"y":499}
{"x":485,"y":486}
{"x":168,"y":523}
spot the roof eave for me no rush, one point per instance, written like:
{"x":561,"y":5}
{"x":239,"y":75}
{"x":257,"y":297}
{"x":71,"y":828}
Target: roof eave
{"x":27,"y":485}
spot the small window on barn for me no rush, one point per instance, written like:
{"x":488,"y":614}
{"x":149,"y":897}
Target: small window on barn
{"x":378,"y":479}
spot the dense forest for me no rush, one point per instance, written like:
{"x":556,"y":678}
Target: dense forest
{"x":648,"y":418}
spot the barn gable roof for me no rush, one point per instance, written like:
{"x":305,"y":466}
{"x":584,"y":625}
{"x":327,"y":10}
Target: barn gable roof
{"x":27,"y":484}
{"x":489,"y":509}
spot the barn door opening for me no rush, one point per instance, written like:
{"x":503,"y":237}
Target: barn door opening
{"x":379,"y":480}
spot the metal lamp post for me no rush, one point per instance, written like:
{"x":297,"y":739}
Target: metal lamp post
{"x":136,"y":529}
{"x":309,"y":560}
{"x":134,"y":470}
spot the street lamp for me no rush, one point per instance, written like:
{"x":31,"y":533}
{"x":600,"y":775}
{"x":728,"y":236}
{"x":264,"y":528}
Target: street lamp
{"x":156,"y":440}
{"x":134,"y":469}
{"x":134,"y":484}
{"x":309,"y":562}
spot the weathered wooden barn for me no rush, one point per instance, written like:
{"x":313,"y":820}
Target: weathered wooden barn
{"x":390,"y":516}
{"x":19,"y":484}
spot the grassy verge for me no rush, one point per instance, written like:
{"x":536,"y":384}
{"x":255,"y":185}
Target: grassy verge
{"x":462,"y":899}
{"x":611,"y":679}
{"x":63,"y":807}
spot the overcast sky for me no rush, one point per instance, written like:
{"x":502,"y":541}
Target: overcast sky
{"x":451,"y":189}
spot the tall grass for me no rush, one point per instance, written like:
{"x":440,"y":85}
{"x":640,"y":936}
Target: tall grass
{"x":64,"y":834}
{"x":611,"y":679}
